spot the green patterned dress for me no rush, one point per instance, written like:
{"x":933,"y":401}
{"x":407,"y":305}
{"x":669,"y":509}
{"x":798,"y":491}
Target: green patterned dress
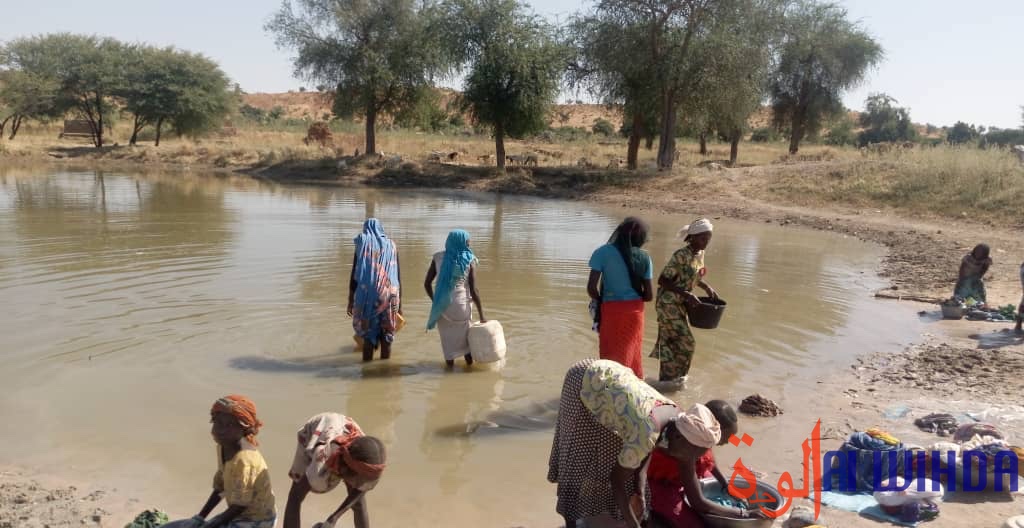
{"x":676,"y":344}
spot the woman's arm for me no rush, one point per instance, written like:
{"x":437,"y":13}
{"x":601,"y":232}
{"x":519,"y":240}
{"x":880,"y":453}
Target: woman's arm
{"x":619,"y":477}
{"x":428,"y":282}
{"x":595,"y":277}
{"x":648,"y":294}
{"x":225,"y":518}
{"x":692,"y":489}
{"x":471,"y":281}
{"x":707,"y":288}
{"x":353,"y":501}
{"x":668,"y":284}
{"x":293,"y":508}
{"x":352,"y":285}
{"x":963,"y":269}
{"x":211,"y":503}
{"x":398,"y":271}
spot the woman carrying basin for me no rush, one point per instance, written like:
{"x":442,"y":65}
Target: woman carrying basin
{"x":684,"y":272}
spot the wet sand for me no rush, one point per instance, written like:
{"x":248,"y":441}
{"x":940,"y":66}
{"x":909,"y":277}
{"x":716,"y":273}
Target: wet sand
{"x":814,"y":393}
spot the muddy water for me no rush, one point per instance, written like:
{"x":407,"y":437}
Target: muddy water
{"x":132,"y":302}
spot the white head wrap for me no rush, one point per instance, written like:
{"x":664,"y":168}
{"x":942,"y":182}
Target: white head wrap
{"x":700,"y":226}
{"x":699,"y":426}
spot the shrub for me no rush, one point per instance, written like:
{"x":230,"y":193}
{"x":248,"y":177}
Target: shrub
{"x":765,"y":135}
{"x":318,"y":133}
{"x":603,"y":127}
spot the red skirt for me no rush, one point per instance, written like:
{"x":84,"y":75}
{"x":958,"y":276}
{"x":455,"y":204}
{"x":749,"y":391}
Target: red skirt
{"x":621,"y":333}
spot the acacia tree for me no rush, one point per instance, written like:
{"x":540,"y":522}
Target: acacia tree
{"x":89,"y":70}
{"x":884,"y":121}
{"x":379,"y":55}
{"x":168,"y":86}
{"x":514,"y":64}
{"x":823,"y":54}
{"x":728,"y":68}
{"x":24,"y":96}
{"x":607,"y":66}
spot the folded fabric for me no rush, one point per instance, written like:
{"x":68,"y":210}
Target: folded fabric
{"x":967,"y":431}
{"x":879,"y":434}
{"x":864,"y":504}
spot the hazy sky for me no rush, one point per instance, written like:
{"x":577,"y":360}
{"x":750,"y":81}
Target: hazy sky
{"x":947,"y":60}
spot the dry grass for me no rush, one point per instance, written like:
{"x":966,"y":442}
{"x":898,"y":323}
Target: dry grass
{"x":932,"y":182}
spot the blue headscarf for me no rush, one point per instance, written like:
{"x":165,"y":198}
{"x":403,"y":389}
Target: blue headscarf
{"x":457,"y":260}
{"x":376,"y":276}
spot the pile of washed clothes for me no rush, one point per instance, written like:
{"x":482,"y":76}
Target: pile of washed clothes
{"x":907,"y":497}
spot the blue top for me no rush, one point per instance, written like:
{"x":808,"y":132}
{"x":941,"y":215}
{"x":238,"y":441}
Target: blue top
{"x":615,"y":275}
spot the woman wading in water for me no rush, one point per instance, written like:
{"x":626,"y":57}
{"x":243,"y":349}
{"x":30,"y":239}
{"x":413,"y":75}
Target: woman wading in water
{"x":450,"y":309}
{"x":620,"y":282}
{"x":684,"y":272}
{"x":374,"y":291}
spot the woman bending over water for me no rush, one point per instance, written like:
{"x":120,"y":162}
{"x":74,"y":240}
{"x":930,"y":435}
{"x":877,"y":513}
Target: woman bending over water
{"x":609,"y":422}
{"x":970,"y":282}
{"x":451,"y":311}
{"x":374,"y":291}
{"x":333,"y":449}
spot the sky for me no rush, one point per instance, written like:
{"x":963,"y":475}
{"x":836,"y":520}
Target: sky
{"x":947,"y":60}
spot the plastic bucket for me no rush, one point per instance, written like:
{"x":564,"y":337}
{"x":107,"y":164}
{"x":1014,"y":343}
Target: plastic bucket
{"x":953,"y":312}
{"x":707,"y":314}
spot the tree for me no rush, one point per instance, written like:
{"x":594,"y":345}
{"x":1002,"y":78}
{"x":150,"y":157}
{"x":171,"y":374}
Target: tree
{"x":727,"y":71}
{"x":840,"y":133}
{"x":24,"y":96}
{"x":822,"y":55}
{"x":607,"y":65}
{"x":883,"y":121}
{"x":379,"y":55}
{"x":185,"y":90}
{"x":513,"y":64}
{"x":603,"y":127}
{"x":961,"y":133}
{"x":89,"y":69}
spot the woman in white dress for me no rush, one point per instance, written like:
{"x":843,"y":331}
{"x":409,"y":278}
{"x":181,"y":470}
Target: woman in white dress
{"x":451,"y":311}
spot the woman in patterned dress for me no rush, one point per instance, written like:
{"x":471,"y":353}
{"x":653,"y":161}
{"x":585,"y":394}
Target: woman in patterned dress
{"x":609,"y":422}
{"x":684,"y":271}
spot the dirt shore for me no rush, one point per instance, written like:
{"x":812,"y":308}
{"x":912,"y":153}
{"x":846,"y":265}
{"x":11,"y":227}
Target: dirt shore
{"x":965,"y":367}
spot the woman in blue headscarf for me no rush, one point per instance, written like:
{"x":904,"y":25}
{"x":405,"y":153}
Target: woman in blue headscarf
{"x":451,"y":311}
{"x":374,"y":291}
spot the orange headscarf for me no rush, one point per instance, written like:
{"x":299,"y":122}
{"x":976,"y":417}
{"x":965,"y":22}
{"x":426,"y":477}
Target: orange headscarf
{"x":342,"y":454}
{"x":242,"y":408}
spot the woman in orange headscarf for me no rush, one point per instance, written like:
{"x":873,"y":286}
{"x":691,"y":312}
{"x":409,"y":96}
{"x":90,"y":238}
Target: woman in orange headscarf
{"x":331,"y":449}
{"x":242,"y":479}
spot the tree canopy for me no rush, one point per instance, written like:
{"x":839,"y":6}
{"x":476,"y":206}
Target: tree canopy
{"x":379,"y":55}
{"x":823,"y":54}
{"x":513,"y":64}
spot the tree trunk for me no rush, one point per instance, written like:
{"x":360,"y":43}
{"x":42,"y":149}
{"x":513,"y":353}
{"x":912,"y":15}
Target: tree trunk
{"x":667,"y":146}
{"x":634,"y":142}
{"x":99,"y":121}
{"x":371,"y":130}
{"x":797,"y":132}
{"x":3,"y":125}
{"x":135,"y":131}
{"x":159,"y":125}
{"x":649,"y":142}
{"x":734,"y":146}
{"x":703,"y":143}
{"x":15,"y":126}
{"x":499,"y":144}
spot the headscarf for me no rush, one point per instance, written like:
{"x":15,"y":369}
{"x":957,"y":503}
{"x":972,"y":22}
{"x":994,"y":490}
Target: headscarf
{"x":631,"y":233}
{"x":700,"y":226}
{"x":341,"y":444}
{"x":242,"y":408}
{"x":376,"y":276}
{"x":457,"y":260}
{"x":699,"y":426}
